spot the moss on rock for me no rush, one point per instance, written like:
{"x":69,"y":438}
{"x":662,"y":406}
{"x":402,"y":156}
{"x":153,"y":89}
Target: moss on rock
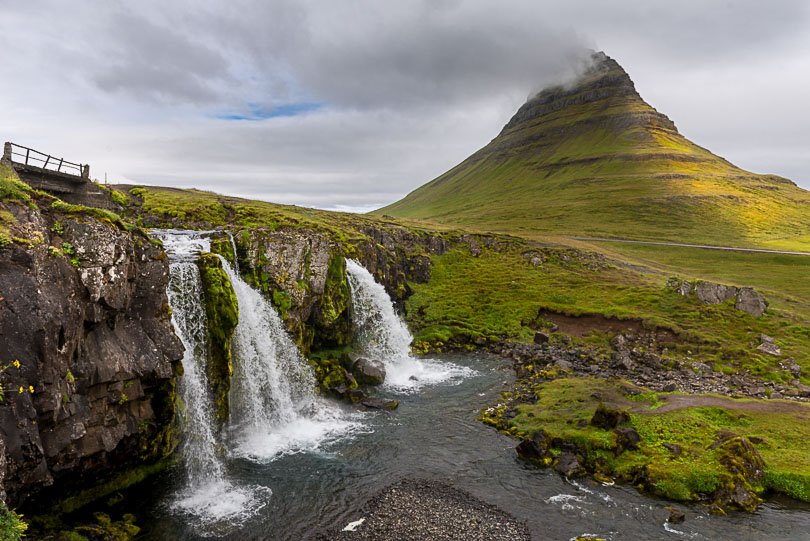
{"x":222,"y":312}
{"x":331,"y":319}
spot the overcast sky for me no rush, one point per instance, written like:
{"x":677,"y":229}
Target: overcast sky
{"x":352,"y":104}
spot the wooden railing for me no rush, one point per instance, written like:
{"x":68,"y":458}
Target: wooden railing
{"x":33,"y":158}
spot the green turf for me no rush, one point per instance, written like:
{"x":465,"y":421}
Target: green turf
{"x":500,"y":295}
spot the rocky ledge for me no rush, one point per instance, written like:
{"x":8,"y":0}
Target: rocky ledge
{"x":88,"y":347}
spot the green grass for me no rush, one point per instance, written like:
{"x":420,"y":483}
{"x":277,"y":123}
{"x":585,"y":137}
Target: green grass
{"x":499,"y":295}
{"x":778,"y":276}
{"x":779,"y":437}
{"x":163,"y":207}
{"x":591,"y":169}
{"x":11,"y":188}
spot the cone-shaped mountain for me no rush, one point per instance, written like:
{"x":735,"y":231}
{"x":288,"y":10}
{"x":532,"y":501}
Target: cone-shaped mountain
{"x":593,"y":158}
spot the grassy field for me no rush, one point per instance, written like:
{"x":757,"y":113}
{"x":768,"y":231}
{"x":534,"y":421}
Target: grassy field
{"x":786,"y":278}
{"x":500,"y":295}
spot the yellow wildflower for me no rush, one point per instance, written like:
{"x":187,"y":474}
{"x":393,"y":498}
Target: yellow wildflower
{"x":31,"y":389}
{"x":16,"y":363}
{"x":22,"y":390}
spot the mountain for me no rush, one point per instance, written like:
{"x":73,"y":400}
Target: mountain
{"x":593,"y":158}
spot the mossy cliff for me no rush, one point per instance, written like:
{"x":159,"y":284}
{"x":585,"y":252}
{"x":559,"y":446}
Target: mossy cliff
{"x":222,"y":313}
{"x":91,"y":353}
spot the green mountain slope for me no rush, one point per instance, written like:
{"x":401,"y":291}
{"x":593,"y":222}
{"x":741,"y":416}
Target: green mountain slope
{"x":595,"y":159}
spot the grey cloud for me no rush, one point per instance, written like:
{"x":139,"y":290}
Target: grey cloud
{"x":409,"y":88}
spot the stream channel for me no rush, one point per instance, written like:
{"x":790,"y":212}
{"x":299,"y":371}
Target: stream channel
{"x":307,"y":464}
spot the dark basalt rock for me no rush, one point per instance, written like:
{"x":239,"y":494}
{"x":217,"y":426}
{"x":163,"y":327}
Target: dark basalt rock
{"x":608,"y":418}
{"x":568,"y":465}
{"x":627,"y":439}
{"x":95,"y":342}
{"x":375,"y":403}
{"x":368,"y":371}
{"x":675,"y":516}
{"x":536,"y":448}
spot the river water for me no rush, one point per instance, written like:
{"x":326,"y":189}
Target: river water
{"x":435,"y":434}
{"x":291,"y":464}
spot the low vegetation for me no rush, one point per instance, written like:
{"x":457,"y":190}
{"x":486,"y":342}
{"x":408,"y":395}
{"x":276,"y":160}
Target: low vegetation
{"x":501,"y":295}
{"x":682,"y":451}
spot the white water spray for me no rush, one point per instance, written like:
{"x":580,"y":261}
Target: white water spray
{"x":208,"y":497}
{"x":274,"y":408}
{"x":382,"y":335}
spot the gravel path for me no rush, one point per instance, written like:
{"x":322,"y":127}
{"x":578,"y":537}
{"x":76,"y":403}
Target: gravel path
{"x":415,"y":509}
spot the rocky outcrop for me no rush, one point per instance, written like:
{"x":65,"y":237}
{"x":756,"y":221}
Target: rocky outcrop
{"x":83,"y":309}
{"x":746,"y":299}
{"x":222,"y":314}
{"x":303,"y":271}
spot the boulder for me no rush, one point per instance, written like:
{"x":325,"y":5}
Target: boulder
{"x":627,"y":439}
{"x":793,"y":367}
{"x":608,"y":418}
{"x":769,"y":347}
{"x":711,"y":293}
{"x":368,"y":371}
{"x":748,"y":300}
{"x":675,"y":516}
{"x":534,"y":449}
{"x":376,"y":403}
{"x":541,"y":337}
{"x":568,"y":465}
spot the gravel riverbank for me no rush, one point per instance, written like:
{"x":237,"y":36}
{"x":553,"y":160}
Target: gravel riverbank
{"x":416,"y":509}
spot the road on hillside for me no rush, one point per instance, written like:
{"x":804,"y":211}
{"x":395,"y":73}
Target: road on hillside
{"x":703,"y":246}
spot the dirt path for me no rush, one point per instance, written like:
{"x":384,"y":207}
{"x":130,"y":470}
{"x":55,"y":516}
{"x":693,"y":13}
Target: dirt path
{"x":676,"y":402}
{"x":702,"y":246}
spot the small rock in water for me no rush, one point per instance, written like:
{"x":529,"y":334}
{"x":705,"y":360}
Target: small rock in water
{"x":413,"y":378}
{"x":352,"y":526}
{"x":675,"y":516}
{"x":380,"y":404}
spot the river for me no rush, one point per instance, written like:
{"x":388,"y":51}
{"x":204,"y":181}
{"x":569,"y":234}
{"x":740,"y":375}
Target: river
{"x":435,"y":434}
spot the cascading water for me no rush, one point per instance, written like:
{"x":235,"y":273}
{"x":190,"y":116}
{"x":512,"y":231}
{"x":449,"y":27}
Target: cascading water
{"x":274,"y":408}
{"x":382,"y":335}
{"x":214,"y":501}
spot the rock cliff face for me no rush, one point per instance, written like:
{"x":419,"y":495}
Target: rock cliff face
{"x":83,"y":308}
{"x":304,"y":272}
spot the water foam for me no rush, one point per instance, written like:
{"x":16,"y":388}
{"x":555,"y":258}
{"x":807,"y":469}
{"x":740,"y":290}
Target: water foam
{"x":215,"y":504}
{"x":274,"y":408}
{"x":382,"y":335}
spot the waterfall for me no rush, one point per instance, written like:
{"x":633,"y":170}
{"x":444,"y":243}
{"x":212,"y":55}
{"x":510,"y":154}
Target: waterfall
{"x":274,"y":408}
{"x":235,"y":257}
{"x":379,"y":333}
{"x":208,"y":496}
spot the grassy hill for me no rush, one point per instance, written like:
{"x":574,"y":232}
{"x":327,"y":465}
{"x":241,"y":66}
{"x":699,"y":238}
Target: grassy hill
{"x":595,"y":159}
